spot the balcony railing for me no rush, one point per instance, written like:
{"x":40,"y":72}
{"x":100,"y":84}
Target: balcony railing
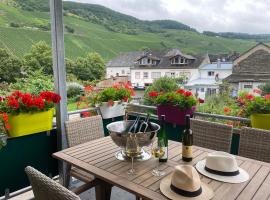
{"x":36,"y":149}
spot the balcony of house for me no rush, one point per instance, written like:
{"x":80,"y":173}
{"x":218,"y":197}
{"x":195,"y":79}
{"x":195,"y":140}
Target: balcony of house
{"x":39,"y":151}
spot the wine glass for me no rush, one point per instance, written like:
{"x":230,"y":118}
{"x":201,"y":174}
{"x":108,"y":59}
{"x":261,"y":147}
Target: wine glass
{"x":158,"y":151}
{"x":132,"y":150}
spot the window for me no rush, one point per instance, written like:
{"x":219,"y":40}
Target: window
{"x":248,"y":86}
{"x":137,"y":75}
{"x":148,"y":61}
{"x":176,"y":60}
{"x":211,"y":73}
{"x":123,"y":71}
{"x":202,"y":89}
{"x":182,"y":60}
{"x":156,"y":75}
{"x":170,"y":74}
{"x":145,"y":74}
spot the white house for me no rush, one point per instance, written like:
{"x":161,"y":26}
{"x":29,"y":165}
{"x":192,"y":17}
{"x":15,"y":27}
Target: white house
{"x":209,"y":77}
{"x":120,"y":65}
{"x":251,"y":69}
{"x":155,"y":64}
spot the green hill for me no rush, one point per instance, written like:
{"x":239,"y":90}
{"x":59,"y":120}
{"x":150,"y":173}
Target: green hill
{"x":96,"y":28}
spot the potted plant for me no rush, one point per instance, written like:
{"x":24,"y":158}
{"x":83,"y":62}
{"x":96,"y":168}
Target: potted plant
{"x":4,"y":126}
{"x":257,"y":108}
{"x":110,"y":100}
{"x":27,"y":113}
{"x":174,"y":105}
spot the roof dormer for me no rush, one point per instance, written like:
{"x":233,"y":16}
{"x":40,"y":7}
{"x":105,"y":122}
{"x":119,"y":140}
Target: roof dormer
{"x":148,"y":60}
{"x":180,"y":60}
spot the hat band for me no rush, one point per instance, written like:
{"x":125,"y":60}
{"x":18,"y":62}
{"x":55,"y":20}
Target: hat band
{"x":186,"y":193}
{"x":213,"y":171}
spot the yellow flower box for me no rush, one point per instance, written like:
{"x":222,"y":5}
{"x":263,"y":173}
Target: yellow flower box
{"x":261,"y":121}
{"x":29,"y":123}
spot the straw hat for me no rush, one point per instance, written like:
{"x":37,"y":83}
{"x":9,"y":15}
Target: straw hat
{"x":184,"y":183}
{"x":223,"y":167}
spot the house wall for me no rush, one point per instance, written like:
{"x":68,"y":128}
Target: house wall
{"x":120,"y":71}
{"x":203,"y":90}
{"x":141,"y":80}
{"x":222,"y":73}
{"x":248,"y":86}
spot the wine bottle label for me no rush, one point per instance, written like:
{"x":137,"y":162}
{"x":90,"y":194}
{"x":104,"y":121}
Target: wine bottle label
{"x":187,"y":151}
{"x":165,"y":156}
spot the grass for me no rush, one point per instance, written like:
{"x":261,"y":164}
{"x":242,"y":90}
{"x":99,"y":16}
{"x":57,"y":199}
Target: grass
{"x":92,"y":37}
{"x":72,"y":106}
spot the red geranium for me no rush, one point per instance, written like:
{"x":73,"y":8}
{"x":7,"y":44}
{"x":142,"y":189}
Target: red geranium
{"x":125,"y":99}
{"x":4,"y":119}
{"x":267,"y":96}
{"x":153,"y":94}
{"x":181,"y":91}
{"x":110,"y":103}
{"x":249,"y":97}
{"x":19,"y":102}
{"x":13,"y":103}
{"x":27,"y":100}
{"x":38,"y":102}
{"x":188,"y":93}
{"x":56,"y":98}
{"x":226,"y":109}
{"x":16,"y":94}
{"x":88,"y":88}
{"x":201,"y":100}
{"x":86,"y":114}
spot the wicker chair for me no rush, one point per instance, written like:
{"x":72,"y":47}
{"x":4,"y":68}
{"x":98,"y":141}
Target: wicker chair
{"x":211,"y":135}
{"x":45,"y":188}
{"x":255,"y":144}
{"x":78,"y":132}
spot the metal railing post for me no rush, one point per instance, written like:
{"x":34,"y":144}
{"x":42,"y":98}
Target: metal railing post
{"x":59,"y":71}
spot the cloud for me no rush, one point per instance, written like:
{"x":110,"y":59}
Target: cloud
{"x":251,"y":16}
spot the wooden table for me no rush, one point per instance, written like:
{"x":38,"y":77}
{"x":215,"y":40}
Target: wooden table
{"x":97,"y":157}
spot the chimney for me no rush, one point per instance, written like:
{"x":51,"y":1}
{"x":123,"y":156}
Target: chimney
{"x":218,"y":63}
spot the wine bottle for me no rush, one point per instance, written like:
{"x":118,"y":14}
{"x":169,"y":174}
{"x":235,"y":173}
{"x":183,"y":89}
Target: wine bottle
{"x":187,"y":141}
{"x":163,"y":140}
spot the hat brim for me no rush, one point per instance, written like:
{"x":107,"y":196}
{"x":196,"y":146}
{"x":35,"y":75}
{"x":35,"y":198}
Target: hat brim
{"x":207,"y":192}
{"x":241,"y":177}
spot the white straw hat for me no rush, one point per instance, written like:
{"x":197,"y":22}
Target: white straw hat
{"x":184,"y":183}
{"x":223,"y":167}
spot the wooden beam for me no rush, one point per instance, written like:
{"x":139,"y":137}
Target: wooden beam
{"x":59,"y":71}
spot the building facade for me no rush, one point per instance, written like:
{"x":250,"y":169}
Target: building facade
{"x":209,"y":77}
{"x":251,"y":69}
{"x":120,"y":65}
{"x":172,"y":63}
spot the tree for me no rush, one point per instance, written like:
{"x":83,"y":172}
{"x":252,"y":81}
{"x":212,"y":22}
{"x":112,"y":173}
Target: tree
{"x":10,"y":67}
{"x":92,"y":67}
{"x":265,"y":88}
{"x":40,"y":57}
{"x":33,"y":82}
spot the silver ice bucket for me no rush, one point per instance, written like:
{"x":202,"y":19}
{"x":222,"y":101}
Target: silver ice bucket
{"x":119,"y":133}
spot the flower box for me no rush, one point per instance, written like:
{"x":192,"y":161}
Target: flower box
{"x":173,"y":114}
{"x":261,"y":121}
{"x":29,"y":123}
{"x":111,"y":111}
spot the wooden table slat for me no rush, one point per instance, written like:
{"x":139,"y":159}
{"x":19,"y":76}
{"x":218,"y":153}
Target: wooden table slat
{"x":98,"y":158}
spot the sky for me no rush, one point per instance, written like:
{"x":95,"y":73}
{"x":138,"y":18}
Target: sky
{"x":249,"y":16}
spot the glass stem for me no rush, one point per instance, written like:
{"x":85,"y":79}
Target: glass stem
{"x":132,"y":163}
{"x":157,"y":168}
